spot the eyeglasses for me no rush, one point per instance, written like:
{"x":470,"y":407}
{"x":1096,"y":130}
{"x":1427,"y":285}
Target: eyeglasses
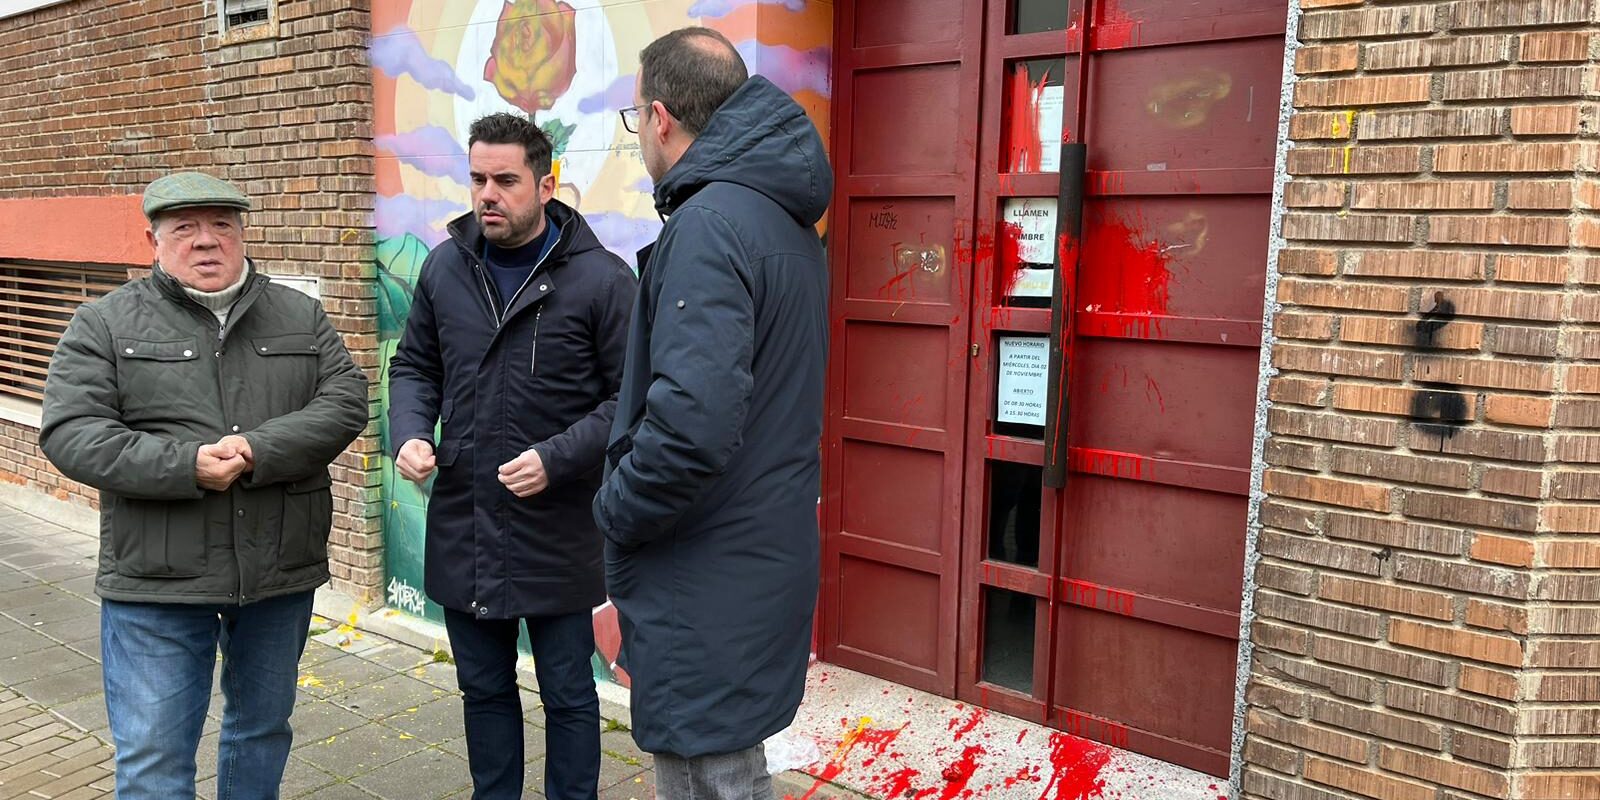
{"x":630,"y":115}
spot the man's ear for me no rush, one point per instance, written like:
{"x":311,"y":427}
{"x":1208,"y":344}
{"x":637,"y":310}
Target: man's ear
{"x":150,"y":235}
{"x":547,"y":188}
{"x":661,"y":120}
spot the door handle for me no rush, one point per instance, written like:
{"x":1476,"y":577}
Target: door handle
{"x":1063,"y":301}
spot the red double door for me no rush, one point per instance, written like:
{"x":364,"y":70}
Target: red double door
{"x":1107,"y":607}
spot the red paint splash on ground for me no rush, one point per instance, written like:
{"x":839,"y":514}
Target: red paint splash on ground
{"x":957,"y":774}
{"x":970,"y":723}
{"x":1077,"y":764}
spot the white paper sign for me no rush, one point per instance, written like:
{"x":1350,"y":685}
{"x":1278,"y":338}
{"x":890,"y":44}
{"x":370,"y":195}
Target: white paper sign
{"x":307,"y":285}
{"x":1024,"y":364}
{"x":1035,"y":218}
{"x":1052,"y":110}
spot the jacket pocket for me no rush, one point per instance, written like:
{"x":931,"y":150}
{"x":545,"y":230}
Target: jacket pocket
{"x":159,"y":538}
{"x":618,"y":449}
{"x":307,"y":519}
{"x":156,"y":379}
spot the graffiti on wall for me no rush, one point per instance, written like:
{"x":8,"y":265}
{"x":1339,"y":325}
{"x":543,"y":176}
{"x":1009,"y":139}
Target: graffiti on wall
{"x":570,"y":66}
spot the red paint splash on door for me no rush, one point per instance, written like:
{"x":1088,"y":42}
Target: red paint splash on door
{"x":1010,"y":255}
{"x":1077,"y":764}
{"x":1123,"y":271}
{"x":1023,"y":126}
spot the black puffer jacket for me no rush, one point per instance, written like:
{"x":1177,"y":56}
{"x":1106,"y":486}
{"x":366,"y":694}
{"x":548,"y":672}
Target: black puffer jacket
{"x":143,"y":377}
{"x":544,"y":377}
{"x":710,"y":510}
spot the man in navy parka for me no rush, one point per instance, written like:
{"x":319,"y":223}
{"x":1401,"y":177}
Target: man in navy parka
{"x":709,"y":507}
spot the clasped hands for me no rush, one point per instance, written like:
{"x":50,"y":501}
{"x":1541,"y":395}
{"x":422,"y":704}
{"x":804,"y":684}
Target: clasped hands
{"x":217,"y":466}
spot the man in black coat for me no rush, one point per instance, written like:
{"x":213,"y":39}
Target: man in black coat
{"x":514,"y":346}
{"x":710,"y":505}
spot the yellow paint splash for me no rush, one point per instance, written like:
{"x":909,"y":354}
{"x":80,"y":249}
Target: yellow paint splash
{"x":1348,"y":149}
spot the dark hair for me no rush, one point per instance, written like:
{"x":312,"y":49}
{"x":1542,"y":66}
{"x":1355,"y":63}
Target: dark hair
{"x":692,"y":71}
{"x":504,"y":128}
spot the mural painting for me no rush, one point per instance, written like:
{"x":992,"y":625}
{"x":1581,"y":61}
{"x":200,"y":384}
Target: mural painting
{"x":570,"y":66}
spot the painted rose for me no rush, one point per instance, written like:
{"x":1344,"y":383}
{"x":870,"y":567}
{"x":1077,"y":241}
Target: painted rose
{"x":534,"y":55}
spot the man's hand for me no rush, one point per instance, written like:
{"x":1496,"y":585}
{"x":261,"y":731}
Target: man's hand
{"x":241,"y":446}
{"x":415,"y":461}
{"x":217,"y":466}
{"x":524,"y":475}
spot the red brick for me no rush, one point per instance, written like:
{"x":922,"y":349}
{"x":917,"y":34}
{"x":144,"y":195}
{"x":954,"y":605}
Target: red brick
{"x":1312,"y":327}
{"x":1539,"y":195}
{"x":1421,"y":195}
{"x":1315,"y":194}
{"x":1431,"y":123}
{"x":1455,"y":642}
{"x":1296,"y":261}
{"x":1308,"y":737}
{"x":1558,"y":120}
{"x":1367,"y":22}
{"x":1474,"y":578}
{"x":1513,"y":482}
{"x":1508,"y":409}
{"x":1502,"y":550}
{"x":1497,"y":617}
{"x":1568,"y":554}
{"x":1566,"y":653}
{"x":1383,"y":660}
{"x":1438,"y":264}
{"x":1487,"y":682}
{"x":1382,"y":724}
{"x":1403,"y":332}
{"x":1396,"y":533}
{"x":1285,"y":578}
{"x":1327,"y":58}
{"x":1317,"y":615}
{"x":1513,"y":157}
{"x":1386,"y":597}
{"x":1336,"y":361}
{"x":1364,"y":782}
{"x":1377,"y":227}
{"x":1452,"y":51}
{"x":1297,"y":390}
{"x":1439,"y":705}
{"x":1571,"y":518}
{"x":1339,"y":428}
{"x":1290,"y":702}
{"x":1559,"y":688}
{"x":1449,"y":773}
{"x":1495,"y":374}
{"x":1402,"y":468}
{"x":1520,"y":341}
{"x":1481,"y":14}
{"x":1318,"y":553}
{"x":1527,"y":82}
{"x":1557,"y":785}
{"x":1356,"y":161}
{"x":1259,"y":752}
{"x":1322,"y":294}
{"x":1497,"y":230}
{"x":1472,"y":511}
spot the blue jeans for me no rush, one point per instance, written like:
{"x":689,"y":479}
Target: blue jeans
{"x":158,"y":663}
{"x":486,"y":670}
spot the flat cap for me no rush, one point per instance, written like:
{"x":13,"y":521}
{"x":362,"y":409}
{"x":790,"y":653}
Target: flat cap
{"x":190,"y":189}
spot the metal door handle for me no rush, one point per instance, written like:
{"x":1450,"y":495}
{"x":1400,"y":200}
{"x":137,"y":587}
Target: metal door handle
{"x":1069,"y":235}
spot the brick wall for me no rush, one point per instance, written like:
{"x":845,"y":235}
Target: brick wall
{"x":1425,"y":623}
{"x":102,"y":96}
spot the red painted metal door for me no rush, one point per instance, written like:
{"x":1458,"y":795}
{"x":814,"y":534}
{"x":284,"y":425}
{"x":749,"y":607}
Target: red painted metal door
{"x":906,"y":78}
{"x":1108,"y":607}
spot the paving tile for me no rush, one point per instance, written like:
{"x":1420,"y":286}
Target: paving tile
{"x":73,"y":629}
{"x":340,"y":675}
{"x":11,"y":580}
{"x":47,"y":661}
{"x":357,"y":752}
{"x":387,"y":696}
{"x":59,"y":606}
{"x":20,"y":640}
{"x":438,"y":674}
{"x":30,"y":595}
{"x":318,"y":720}
{"x":433,"y":723}
{"x":639,"y":787}
{"x":61,"y":687}
{"x":398,"y":657}
{"x":86,"y":713}
{"x":427,"y":774}
{"x":55,"y":573}
{"x":89,"y":647}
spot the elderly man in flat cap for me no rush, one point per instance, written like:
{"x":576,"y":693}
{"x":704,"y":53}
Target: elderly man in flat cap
{"x":205,"y":403}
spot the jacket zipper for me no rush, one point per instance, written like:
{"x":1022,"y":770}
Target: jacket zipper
{"x":533,"y":352}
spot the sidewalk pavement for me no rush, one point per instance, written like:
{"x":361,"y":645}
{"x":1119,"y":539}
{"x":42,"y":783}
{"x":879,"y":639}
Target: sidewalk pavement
{"x":374,"y":719}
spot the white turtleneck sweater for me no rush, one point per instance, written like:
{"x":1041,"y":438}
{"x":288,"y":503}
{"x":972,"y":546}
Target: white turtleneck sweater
{"x":221,"y":301}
